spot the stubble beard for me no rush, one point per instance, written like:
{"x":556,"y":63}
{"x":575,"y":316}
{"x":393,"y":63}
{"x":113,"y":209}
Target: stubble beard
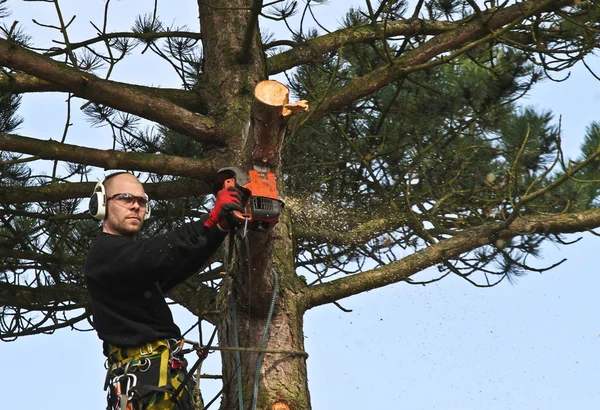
{"x":125,"y":229}
{"x":129,"y":232}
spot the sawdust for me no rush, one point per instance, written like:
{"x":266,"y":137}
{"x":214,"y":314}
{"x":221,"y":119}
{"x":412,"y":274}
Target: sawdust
{"x":322,"y":214}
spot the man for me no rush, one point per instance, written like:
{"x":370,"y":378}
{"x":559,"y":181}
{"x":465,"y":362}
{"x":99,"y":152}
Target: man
{"x":127,"y":279}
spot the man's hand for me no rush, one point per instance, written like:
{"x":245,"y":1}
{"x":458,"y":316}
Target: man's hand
{"x":227,"y":201}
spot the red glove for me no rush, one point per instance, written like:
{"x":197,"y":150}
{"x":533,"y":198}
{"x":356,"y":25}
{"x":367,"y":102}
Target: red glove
{"x":227,"y":201}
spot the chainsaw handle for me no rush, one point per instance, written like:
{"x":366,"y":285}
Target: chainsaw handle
{"x":237,"y":215}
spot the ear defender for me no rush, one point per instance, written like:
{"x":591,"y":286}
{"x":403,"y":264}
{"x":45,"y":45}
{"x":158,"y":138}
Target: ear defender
{"x":97,"y":204}
{"x":148,"y":208}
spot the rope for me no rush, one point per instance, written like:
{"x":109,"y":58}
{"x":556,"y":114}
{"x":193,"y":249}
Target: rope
{"x":263,"y":341}
{"x":247,"y":245}
{"x":257,"y":350}
{"x":236,"y":344}
{"x":202,"y":354}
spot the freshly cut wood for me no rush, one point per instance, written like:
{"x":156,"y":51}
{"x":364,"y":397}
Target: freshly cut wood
{"x":273,"y":93}
{"x":270,"y":114}
{"x":298,"y":106}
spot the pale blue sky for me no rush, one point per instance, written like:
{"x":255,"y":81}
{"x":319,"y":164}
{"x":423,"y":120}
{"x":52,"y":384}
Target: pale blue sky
{"x":450,"y":346}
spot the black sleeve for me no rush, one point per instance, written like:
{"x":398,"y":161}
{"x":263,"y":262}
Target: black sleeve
{"x":167,"y":259}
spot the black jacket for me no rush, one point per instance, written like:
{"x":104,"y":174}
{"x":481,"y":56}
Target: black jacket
{"x":127,"y":279}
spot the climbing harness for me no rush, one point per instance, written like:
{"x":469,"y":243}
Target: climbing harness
{"x":153,"y":374}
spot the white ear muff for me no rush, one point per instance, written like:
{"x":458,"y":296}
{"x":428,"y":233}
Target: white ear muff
{"x":148,"y":210}
{"x":97,"y":205}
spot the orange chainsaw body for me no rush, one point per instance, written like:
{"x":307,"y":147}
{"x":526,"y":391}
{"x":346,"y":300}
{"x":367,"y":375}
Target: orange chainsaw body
{"x":261,"y":198}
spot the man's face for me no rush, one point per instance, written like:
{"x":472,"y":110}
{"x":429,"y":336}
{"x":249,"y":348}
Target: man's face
{"x":125,"y":216}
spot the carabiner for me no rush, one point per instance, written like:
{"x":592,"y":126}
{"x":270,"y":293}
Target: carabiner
{"x":129,"y":383}
{"x":178,"y":345}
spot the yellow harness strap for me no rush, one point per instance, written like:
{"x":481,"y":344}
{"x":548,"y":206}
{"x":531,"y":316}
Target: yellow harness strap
{"x":118,"y":357}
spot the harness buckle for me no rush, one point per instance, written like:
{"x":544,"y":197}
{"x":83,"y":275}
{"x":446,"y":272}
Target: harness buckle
{"x":148,"y":351}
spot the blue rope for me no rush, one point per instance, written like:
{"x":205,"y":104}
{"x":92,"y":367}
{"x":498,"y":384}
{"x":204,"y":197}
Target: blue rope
{"x":263,"y":341}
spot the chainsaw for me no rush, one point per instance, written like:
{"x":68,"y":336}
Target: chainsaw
{"x":262,"y":206}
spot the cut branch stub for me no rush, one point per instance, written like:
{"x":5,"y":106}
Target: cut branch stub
{"x":272,"y":93}
{"x":270,"y":115}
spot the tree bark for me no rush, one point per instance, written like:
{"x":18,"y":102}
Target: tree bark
{"x":20,"y":83}
{"x":282,"y":376}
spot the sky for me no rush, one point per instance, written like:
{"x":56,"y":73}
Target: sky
{"x":534,"y":344}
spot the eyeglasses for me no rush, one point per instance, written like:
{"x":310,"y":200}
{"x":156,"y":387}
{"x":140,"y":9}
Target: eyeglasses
{"x":129,"y":199}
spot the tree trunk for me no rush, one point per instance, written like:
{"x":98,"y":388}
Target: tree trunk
{"x":282,"y":374}
{"x":245,"y":305}
{"x":254,"y":126}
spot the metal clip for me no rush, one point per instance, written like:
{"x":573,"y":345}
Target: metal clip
{"x":131,"y":382}
{"x":144,"y":365}
{"x":245,"y":227}
{"x":147,"y":352}
{"x":178,"y":344}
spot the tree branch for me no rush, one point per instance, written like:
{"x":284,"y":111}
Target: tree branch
{"x":117,"y":95}
{"x":251,"y":28}
{"x":111,"y":159}
{"x":195,"y":297}
{"x":117,"y":35}
{"x":41,"y":257}
{"x":26,"y":297}
{"x":19,"y":83}
{"x":193,"y":294}
{"x":315,"y":48}
{"x":476,"y":28}
{"x":38,"y":329}
{"x":58,"y":192}
{"x":439,"y":252}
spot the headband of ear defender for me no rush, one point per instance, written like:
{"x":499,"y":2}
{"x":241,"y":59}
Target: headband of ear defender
{"x":97,"y":205}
